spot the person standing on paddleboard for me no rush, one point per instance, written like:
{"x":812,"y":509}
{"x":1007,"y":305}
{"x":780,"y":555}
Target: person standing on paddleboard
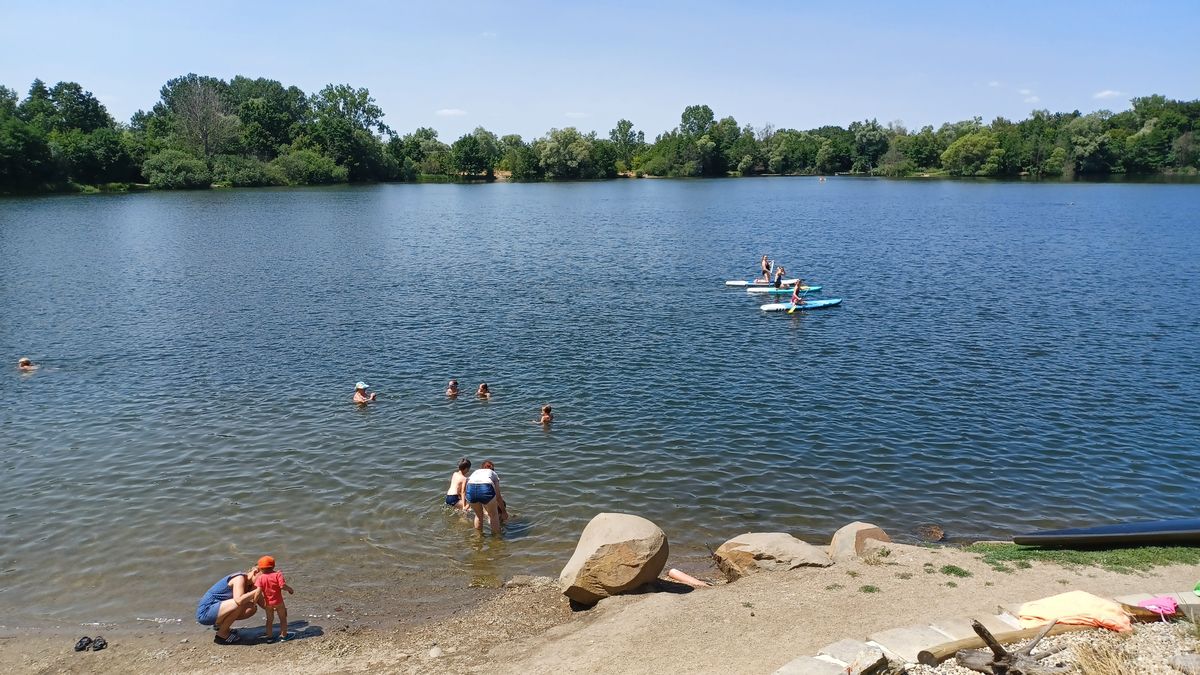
{"x":766,"y":269}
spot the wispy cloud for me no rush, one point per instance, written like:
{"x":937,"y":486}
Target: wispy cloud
{"x":994,"y":83}
{"x":1025,"y":92}
{"x":488,"y":34}
{"x":451,"y":112}
{"x":1032,"y":99}
{"x":576,"y":115}
{"x":1107,"y":93}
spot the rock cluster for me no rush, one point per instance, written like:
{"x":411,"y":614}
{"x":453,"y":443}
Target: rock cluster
{"x":619,"y":552}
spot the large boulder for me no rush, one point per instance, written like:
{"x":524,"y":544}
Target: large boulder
{"x":616,"y":553}
{"x":849,"y":541}
{"x":767,"y":552}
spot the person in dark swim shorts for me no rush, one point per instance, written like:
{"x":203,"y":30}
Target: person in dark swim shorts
{"x":456,"y":494}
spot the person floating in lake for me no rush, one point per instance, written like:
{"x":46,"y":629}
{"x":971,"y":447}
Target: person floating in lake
{"x":797,"y":296}
{"x":271,"y":583}
{"x":483,"y":495}
{"x":779,"y":272}
{"x":25,"y":365}
{"x":456,"y":494}
{"x":483,"y":391}
{"x":361,"y":396}
{"x":232,"y":598}
{"x":452,"y":389}
{"x":766,"y":268}
{"x":547,"y":416}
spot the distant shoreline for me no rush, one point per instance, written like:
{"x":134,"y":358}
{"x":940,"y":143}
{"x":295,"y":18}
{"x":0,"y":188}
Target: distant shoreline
{"x":1166,"y":178}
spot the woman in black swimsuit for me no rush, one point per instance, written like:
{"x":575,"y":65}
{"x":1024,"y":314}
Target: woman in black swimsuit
{"x":779,"y":271}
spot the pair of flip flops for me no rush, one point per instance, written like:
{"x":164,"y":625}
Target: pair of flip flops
{"x":85,"y":643}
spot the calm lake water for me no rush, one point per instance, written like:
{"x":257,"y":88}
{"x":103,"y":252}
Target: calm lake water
{"x":1007,"y":357}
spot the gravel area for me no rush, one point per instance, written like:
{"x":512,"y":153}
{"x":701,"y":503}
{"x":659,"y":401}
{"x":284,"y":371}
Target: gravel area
{"x":1146,"y":651}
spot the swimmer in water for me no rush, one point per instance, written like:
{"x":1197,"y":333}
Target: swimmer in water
{"x":452,"y":389}
{"x":456,"y":494}
{"x":361,"y":396}
{"x":483,"y":391}
{"x":25,"y":365}
{"x":547,"y":416}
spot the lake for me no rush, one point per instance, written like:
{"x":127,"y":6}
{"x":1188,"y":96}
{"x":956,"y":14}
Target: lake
{"x":1008,"y":356}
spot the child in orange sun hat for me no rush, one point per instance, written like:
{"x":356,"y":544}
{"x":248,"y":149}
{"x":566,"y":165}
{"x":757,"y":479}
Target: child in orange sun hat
{"x":272,"y":585}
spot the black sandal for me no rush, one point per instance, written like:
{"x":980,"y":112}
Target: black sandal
{"x":233,"y":639}
{"x":83,"y":644}
{"x":99,"y":643}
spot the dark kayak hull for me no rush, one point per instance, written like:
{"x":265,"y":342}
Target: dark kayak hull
{"x":1146,"y":533}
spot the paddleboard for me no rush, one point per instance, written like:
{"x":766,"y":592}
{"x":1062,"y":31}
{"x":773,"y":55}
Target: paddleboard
{"x":1144,"y":533}
{"x":808,"y":304}
{"x":758,"y":282}
{"x":771,"y":290}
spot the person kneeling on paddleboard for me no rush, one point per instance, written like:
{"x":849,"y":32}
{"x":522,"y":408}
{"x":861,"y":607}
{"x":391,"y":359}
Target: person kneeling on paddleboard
{"x":779,"y":272}
{"x":797,"y":296}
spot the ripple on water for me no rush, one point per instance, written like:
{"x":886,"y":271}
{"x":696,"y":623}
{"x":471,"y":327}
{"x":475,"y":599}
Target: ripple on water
{"x":191,"y":414}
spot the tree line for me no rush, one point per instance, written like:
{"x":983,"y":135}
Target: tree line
{"x":252,"y":132}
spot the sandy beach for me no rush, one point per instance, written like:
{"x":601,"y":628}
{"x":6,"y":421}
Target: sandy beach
{"x":754,"y":625}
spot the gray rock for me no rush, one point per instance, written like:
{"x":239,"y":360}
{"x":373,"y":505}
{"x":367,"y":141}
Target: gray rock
{"x":848,"y":542}
{"x":859,"y":657}
{"x":435,"y":652}
{"x":616,"y":553}
{"x":1189,"y":664}
{"x":766,"y":552}
{"x":808,"y":665}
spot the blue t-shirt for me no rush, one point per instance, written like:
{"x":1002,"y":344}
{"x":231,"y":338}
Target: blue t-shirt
{"x":220,"y":591}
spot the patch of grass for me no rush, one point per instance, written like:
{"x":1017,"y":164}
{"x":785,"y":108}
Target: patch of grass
{"x":951,"y":584}
{"x":872,"y":560}
{"x":955,"y":571}
{"x":1122,"y":560}
{"x":988,"y":583}
{"x":1064,"y":582}
{"x":834,"y":587}
{"x":868,"y":589}
{"x":853,"y":573}
{"x":883,"y":552}
{"x":748,"y":605}
{"x":1025,"y":564}
{"x":1001,"y":567}
{"x":904,"y":575}
{"x":1105,"y":657}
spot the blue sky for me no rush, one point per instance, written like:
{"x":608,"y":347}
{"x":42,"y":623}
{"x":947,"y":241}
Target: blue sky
{"x":524,"y":67}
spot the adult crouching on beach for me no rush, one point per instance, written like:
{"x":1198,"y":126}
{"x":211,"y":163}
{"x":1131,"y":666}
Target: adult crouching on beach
{"x":232,"y":598}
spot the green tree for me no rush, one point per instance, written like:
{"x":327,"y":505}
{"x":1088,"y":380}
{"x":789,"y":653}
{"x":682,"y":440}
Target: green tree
{"x":870,"y":142}
{"x":176,"y":170}
{"x":626,"y":141}
{"x":77,"y":109}
{"x":974,"y":154}
{"x":308,"y":167}
{"x":344,"y":122}
{"x":272,"y":116}
{"x":26,"y":163}
{"x":565,"y":154}
{"x":37,"y":108}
